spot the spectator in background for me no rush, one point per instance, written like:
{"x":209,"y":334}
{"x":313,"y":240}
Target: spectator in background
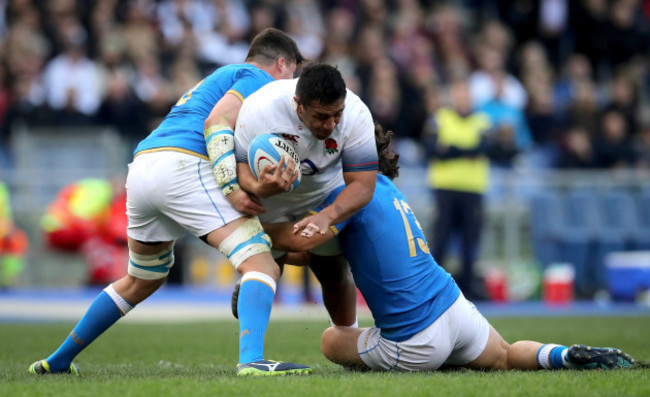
{"x":71,"y":79}
{"x":306,"y":26}
{"x":511,"y":118}
{"x":384,"y":93}
{"x":546,"y":127}
{"x":483,"y":82}
{"x":575,"y":71}
{"x":455,"y":141}
{"x":448,"y":35}
{"x":576,"y":151}
{"x":140,"y":34}
{"x":152,"y":89}
{"x":338,"y":47}
{"x":623,"y":98}
{"x":223,"y":42}
{"x":120,"y":106}
{"x":501,"y":146}
{"x":553,"y":28}
{"x":613,"y":144}
{"x":583,"y":109}
{"x":406,"y":33}
{"x":393,"y":101}
{"x":589,"y":21}
{"x":625,"y":39}
{"x":24,"y":53}
{"x":642,"y":148}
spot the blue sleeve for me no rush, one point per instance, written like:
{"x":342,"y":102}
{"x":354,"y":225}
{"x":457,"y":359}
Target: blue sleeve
{"x":248,"y":82}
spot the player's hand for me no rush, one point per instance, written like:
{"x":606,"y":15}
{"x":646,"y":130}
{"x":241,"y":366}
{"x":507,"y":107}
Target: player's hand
{"x":278,"y":179}
{"x":246,"y":203}
{"x":311,"y":225}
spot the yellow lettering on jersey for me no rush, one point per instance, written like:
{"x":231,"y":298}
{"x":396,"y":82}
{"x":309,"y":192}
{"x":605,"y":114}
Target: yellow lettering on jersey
{"x":407,"y":227}
{"x":188,"y":94}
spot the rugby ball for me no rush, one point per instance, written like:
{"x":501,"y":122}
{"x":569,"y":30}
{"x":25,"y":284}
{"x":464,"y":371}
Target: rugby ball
{"x":266,"y":149}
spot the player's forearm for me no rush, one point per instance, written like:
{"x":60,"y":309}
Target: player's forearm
{"x":220,"y":142}
{"x":220,"y":145}
{"x":355,"y":196}
{"x":283,"y":239}
{"x":247,"y":180}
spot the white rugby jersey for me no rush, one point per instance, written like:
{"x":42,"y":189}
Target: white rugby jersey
{"x":351,"y":147}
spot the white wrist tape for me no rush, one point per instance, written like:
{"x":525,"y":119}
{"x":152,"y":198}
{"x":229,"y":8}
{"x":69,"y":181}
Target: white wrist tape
{"x":220,"y":144}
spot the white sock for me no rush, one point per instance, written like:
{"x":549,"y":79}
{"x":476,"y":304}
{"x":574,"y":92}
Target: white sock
{"x":355,"y":325}
{"x":544,"y":355}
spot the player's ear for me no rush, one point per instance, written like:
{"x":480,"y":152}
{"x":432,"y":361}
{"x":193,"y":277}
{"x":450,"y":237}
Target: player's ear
{"x":296,"y":99}
{"x":281,"y":64}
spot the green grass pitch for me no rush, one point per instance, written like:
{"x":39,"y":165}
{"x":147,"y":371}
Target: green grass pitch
{"x":198,"y":359}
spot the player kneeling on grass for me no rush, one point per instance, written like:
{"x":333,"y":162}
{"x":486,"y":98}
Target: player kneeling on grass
{"x":422,"y":320}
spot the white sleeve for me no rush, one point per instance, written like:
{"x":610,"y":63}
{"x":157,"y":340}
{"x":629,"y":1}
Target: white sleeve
{"x":249,"y":121}
{"x":360,"y":150}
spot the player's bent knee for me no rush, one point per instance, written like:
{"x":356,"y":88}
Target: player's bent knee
{"x":339,"y":345}
{"x":151,"y":267}
{"x":327,"y":343}
{"x":247,"y":240}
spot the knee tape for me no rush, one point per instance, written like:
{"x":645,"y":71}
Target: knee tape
{"x":249,"y":239}
{"x":151,"y":267}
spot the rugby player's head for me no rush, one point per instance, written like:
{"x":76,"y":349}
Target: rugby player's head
{"x":387,"y":156}
{"x":271,"y":46}
{"x":320,"y":84}
{"x":320,"y":95}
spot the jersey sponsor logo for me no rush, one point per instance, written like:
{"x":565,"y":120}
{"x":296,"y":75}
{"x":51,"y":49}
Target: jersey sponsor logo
{"x":331,"y":146}
{"x":287,"y":148}
{"x":290,"y":137}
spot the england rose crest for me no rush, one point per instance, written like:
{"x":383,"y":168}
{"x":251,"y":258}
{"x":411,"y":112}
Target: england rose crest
{"x":331,"y":146}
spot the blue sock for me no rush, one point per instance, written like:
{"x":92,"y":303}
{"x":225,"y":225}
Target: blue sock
{"x":101,"y":314}
{"x":556,"y":357}
{"x":550,"y":356}
{"x":254,"y":308}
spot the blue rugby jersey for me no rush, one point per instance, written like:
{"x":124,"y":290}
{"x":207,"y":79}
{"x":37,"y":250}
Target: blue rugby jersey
{"x":182,"y":128}
{"x":402,"y":284}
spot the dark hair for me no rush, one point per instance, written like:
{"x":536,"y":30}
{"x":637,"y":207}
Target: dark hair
{"x":387,"y":156}
{"x":320,"y":83}
{"x":271,"y":44}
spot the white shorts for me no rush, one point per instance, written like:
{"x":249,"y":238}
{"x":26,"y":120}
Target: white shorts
{"x":169,"y":192}
{"x":458,"y":337}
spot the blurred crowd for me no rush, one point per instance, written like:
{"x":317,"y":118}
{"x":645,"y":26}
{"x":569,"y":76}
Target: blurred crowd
{"x":565,"y":82}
